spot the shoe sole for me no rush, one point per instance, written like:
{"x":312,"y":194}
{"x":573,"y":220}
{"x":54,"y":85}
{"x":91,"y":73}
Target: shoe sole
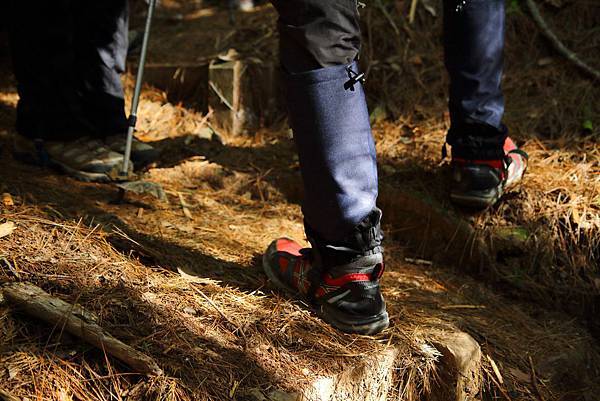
{"x":476,"y":200}
{"x":483,"y":200}
{"x":367,"y":326}
{"x":82,"y":175}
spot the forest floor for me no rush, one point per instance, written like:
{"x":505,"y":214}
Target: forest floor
{"x":181,"y":279}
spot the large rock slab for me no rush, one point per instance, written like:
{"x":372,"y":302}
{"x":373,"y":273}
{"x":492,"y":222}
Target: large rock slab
{"x":370,"y":379}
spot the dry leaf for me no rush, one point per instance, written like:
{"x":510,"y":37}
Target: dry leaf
{"x":13,"y":371}
{"x":7,"y":228}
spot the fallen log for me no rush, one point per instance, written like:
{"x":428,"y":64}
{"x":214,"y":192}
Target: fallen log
{"x":75,"y":320}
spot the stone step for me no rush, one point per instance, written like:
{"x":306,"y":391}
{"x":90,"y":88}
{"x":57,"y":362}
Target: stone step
{"x":458,"y":369}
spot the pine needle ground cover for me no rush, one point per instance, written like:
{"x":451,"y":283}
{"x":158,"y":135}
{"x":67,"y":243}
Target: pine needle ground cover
{"x":181,"y":280}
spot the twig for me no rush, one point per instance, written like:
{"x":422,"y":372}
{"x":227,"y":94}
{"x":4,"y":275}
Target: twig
{"x":36,"y":302}
{"x":534,"y":381}
{"x":11,"y":268}
{"x":419,"y":261}
{"x":500,"y":387}
{"x":387,"y":15}
{"x":558,"y":45}
{"x":495,"y":369}
{"x":204,"y":120}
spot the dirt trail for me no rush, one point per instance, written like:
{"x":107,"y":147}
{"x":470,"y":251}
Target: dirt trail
{"x":181,"y":281}
{"x":249,"y":338}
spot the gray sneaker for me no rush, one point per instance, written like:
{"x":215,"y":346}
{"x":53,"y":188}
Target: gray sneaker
{"x":85,"y":159}
{"x":142,"y":154}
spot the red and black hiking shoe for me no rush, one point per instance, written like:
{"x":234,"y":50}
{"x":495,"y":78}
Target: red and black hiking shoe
{"x":481,"y":183}
{"x":346,"y":296}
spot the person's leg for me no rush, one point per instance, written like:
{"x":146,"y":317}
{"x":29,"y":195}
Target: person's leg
{"x":52,"y":125}
{"x":481,"y":150}
{"x":319,"y":43}
{"x":101,"y":41}
{"x":100,"y":45}
{"x":474,"y":44}
{"x":41,"y":42}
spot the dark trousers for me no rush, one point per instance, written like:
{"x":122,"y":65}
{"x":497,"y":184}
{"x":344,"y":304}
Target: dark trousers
{"x":319,"y":40}
{"x":324,"y":33}
{"x":68,"y":56}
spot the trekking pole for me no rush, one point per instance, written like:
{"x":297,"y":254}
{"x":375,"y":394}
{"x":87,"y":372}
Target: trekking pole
{"x":137,"y":90}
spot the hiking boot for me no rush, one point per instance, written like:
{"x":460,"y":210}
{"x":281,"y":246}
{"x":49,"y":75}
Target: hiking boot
{"x":481,"y":183}
{"x":341,"y":283}
{"x":84,"y":159}
{"x":142,"y":154}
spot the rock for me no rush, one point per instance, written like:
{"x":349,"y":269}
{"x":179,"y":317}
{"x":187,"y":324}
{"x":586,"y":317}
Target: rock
{"x":144,"y":188}
{"x":460,"y":368}
{"x":369,"y":379}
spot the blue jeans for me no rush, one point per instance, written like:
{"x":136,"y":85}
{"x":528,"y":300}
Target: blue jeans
{"x":321,"y":38}
{"x":323,"y":33}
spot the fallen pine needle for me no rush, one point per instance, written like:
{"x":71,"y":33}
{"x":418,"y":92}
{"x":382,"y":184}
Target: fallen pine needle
{"x":419,"y":261}
{"x":184,"y":207}
{"x":534,"y":380}
{"x":211,"y":303}
{"x":500,"y":388}
{"x":446,"y":307}
{"x":496,"y":370}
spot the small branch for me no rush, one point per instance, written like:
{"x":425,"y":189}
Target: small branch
{"x":558,"y":45}
{"x":388,"y":17}
{"x":37,"y":303}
